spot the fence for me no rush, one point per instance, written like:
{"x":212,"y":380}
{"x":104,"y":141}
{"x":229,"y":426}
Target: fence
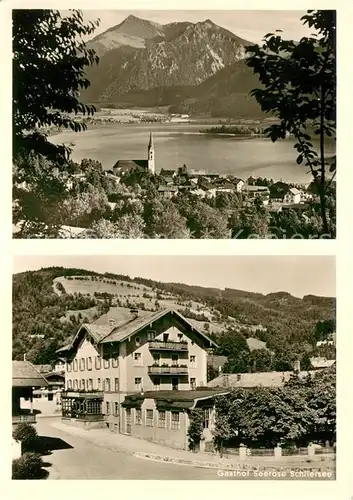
{"x":243,"y":452}
{"x":287,"y":452}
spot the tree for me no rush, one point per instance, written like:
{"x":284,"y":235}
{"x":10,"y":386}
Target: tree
{"x":49,"y":62}
{"x":299,"y":88}
{"x":27,"y":434}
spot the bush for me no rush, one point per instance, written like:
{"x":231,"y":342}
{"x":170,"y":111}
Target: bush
{"x":27,"y":434}
{"x":29,"y":466}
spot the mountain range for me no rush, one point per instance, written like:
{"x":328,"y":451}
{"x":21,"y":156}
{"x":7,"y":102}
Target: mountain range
{"x":43,"y":299}
{"x":194,"y":67}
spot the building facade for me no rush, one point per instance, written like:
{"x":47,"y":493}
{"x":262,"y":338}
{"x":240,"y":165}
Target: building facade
{"x":116,"y":375}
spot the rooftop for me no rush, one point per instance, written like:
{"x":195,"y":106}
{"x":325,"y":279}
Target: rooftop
{"x":261,"y":379}
{"x":24,"y":374}
{"x":174,"y":399}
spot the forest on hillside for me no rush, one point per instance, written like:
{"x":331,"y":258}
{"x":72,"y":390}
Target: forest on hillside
{"x":290,"y":326}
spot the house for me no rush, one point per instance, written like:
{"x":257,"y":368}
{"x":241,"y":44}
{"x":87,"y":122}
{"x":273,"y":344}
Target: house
{"x":25,"y":377}
{"x":139,"y":376}
{"x":256,"y":192}
{"x":112,"y":177}
{"x":199,"y":192}
{"x":124,"y":167}
{"x":167,"y":173}
{"x":52,"y":391}
{"x":238,"y":184}
{"x":168,"y":191}
{"x":59,"y":365}
{"x":227,"y":187}
{"x":319,"y":363}
{"x":299,"y":207}
{"x":293,"y":196}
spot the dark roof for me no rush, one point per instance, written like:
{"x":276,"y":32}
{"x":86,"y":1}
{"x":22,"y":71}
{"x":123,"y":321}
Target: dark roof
{"x":24,"y":374}
{"x":121,"y":332}
{"x":126,"y":165}
{"x":174,"y":399}
{"x":168,"y":173}
{"x":55,"y":374}
{"x":295,"y":206}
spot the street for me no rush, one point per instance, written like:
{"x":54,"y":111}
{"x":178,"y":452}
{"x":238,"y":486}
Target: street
{"x":74,"y":458}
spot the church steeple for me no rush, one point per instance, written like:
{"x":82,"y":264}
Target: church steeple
{"x":151,"y":167}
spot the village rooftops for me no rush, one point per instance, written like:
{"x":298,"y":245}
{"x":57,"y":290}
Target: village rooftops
{"x":261,"y":379}
{"x":24,"y":374}
{"x":320,"y":362}
{"x":294,"y":191}
{"x":178,"y":400}
{"x":172,"y":189}
{"x":246,"y":187}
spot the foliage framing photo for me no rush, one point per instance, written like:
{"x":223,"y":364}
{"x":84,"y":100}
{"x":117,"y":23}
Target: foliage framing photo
{"x":49,"y":62}
{"x":299,"y":87}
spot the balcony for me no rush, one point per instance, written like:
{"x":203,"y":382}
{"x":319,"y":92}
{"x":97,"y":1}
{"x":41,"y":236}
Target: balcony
{"x":167,"y":370}
{"x":83,"y":394}
{"x":159,"y":345}
{"x":28,"y":418}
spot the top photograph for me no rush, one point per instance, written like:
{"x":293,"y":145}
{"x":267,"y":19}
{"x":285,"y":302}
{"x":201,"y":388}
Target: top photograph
{"x":170,"y":124}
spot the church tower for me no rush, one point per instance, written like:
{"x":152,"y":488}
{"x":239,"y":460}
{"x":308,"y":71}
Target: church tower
{"x":150,"y":156}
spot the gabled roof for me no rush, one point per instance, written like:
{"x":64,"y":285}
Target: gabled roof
{"x":24,"y":374}
{"x":294,"y":191}
{"x":126,"y":165}
{"x":129,"y":328}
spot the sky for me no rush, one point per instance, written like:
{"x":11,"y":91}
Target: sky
{"x":251,"y":25}
{"x":298,"y":275}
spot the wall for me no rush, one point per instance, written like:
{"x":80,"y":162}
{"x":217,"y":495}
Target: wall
{"x":174,"y":438}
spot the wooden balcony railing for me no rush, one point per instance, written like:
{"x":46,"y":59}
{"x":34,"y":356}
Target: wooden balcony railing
{"x":168,"y":346}
{"x":167,"y":370}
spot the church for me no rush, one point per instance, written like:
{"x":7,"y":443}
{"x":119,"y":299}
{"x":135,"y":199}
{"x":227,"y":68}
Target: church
{"x":123,"y":167}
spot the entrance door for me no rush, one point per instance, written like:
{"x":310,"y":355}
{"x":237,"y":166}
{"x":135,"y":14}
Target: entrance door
{"x":128,"y":420}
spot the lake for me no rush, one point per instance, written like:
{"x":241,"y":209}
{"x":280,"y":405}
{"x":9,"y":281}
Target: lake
{"x":179,"y":144}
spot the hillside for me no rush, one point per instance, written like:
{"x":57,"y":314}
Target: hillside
{"x":54,"y":301}
{"x":144,"y":63}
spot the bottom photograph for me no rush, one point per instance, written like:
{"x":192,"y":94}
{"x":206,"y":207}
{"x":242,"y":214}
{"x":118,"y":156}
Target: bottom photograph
{"x":174,"y":367}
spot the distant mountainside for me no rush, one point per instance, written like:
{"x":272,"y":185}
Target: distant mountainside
{"x":43,"y":306}
{"x":190,"y":65}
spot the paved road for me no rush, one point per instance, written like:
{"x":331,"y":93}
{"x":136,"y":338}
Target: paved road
{"x":76,"y":458}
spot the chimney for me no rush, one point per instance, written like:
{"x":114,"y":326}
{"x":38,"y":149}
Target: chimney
{"x":24,"y":357}
{"x":111,"y":322}
{"x":297,"y":366}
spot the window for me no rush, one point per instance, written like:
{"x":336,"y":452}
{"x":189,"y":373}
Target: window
{"x":193,"y":361}
{"x":149,"y":418}
{"x":107,"y":406}
{"x":98,"y":363}
{"x":116,"y":385}
{"x":175,"y":383}
{"x":75,"y":384}
{"x":115,"y":362}
{"x":89,"y":363}
{"x":137,"y":359}
{"x":69,"y":384}
{"x":165,"y":337}
{"x":75,"y":365}
{"x":82,"y":364}
{"x":99,"y":386}
{"x":156,"y":384}
{"x":138,"y":416}
{"x":206,"y":417}
{"x":162,"y":419}
{"x":138,"y":341}
{"x":116,"y":409}
{"x":83,"y":384}
{"x":151,"y":334}
{"x":156,"y":358}
{"x":69,"y":367}
{"x":90,"y":384}
{"x":107,"y":385}
{"x":180,"y":337}
{"x":138,"y":383}
{"x":175,"y":421}
{"x":106,"y":363}
{"x":175,"y":359}
{"x":193,"y":383}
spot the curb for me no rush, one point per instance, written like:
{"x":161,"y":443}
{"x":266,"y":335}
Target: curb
{"x":229,"y":466}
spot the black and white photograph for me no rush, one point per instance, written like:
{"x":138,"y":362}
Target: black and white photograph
{"x":174,"y":367}
{"x":174,"y":124}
